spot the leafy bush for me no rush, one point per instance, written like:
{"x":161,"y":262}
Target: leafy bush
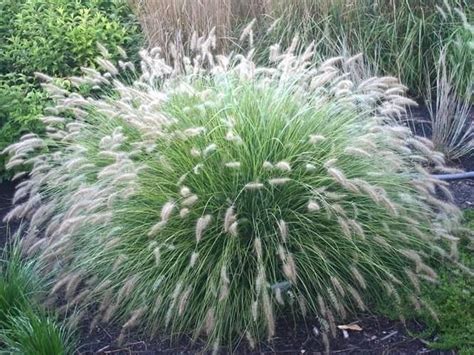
{"x":191,"y":201}
{"x":25,"y":328}
{"x":57,"y":37}
{"x":21,"y":104}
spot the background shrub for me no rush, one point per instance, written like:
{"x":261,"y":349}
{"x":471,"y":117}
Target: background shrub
{"x":21,"y":104}
{"x":54,"y":37}
{"x":210,"y":189}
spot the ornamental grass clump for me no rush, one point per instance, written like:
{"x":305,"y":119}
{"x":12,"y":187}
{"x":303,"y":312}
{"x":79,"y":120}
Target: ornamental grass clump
{"x":212,"y":196}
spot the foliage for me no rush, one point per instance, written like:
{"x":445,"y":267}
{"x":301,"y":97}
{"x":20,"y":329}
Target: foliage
{"x":452,"y":128}
{"x":451,"y":299}
{"x":401,"y":38}
{"x":25,"y":328}
{"x":57,"y":37}
{"x":186,"y":200}
{"x":21,"y":104}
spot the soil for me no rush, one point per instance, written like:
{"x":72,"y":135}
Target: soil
{"x":378,"y":335}
{"x":7,"y":190}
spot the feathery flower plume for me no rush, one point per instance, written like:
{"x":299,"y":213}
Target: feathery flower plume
{"x":233,"y":229}
{"x":250,"y":339}
{"x":229,"y":218}
{"x":195,"y":152}
{"x":194,"y":257}
{"x":201,"y":225}
{"x":313,"y":206}
{"x":316,"y":138}
{"x":258,"y":248}
{"x":253,"y":186}
{"x":289,"y":268}
{"x":210,"y":321}
{"x":283,"y":166}
{"x":167,"y":210}
{"x":233,"y":137}
{"x":195,"y":131}
{"x":267,"y":165}
{"x":338,"y":286}
{"x":209,"y":149}
{"x":283,"y":229}
{"x":158,"y":227}
{"x":233,"y":165}
{"x":358,"y":276}
{"x":190,"y":201}
{"x":278,"y":181}
{"x":183,"y":301}
{"x":185,"y":191}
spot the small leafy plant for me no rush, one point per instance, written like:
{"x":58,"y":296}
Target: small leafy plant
{"x":214,"y":195}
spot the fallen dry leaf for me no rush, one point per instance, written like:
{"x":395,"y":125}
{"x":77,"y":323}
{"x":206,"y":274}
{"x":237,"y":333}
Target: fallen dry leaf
{"x":354,"y":327}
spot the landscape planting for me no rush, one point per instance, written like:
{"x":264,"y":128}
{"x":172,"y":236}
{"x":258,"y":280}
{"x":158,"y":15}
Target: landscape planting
{"x":210,"y":188}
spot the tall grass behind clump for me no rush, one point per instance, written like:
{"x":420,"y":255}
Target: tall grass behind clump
{"x":452,"y":126}
{"x":401,"y":38}
{"x":185,"y":200}
{"x":449,"y":97}
{"x":172,"y":24}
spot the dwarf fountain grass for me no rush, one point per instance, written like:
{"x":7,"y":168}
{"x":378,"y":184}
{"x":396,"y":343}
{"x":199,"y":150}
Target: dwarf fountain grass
{"x":305,"y":184}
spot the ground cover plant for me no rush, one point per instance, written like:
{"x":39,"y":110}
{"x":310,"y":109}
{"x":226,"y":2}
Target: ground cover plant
{"x":451,"y":298}
{"x":25,"y":327}
{"x":211,"y":196}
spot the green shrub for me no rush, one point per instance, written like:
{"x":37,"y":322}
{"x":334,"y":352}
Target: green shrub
{"x":21,"y":104}
{"x":56,"y":37}
{"x":190,"y":201}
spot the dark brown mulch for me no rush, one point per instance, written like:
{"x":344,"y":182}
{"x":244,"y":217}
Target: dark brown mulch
{"x":7,"y":190}
{"x":463,"y":192}
{"x":379,"y":335}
